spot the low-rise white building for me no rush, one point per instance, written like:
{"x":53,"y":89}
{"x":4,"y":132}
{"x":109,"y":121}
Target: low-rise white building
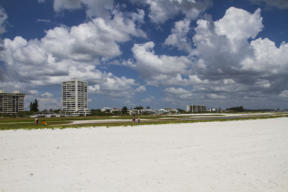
{"x":196,"y":108}
{"x":106,"y":109}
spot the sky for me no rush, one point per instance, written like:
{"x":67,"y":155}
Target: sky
{"x":156,"y":53}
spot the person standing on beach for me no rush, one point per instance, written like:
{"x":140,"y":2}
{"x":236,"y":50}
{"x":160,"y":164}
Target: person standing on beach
{"x":44,"y":123}
{"x":36,"y":121}
{"x":134,"y":118}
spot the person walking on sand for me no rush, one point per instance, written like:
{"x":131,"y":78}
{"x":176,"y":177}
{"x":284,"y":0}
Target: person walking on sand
{"x":134,"y":119}
{"x":138,"y":120}
{"x":44,"y":123}
{"x":36,"y":121}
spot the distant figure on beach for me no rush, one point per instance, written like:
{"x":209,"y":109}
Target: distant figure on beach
{"x":138,"y":120}
{"x":44,"y":123}
{"x":134,"y":118}
{"x":36,"y":121}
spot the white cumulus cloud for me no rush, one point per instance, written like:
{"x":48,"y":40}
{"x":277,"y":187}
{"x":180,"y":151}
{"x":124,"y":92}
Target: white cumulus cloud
{"x":238,"y":24}
{"x":70,"y":52}
{"x":229,"y":60}
{"x":149,"y":64}
{"x":178,"y":37}
{"x":284,"y":93}
{"x":179,"y":92}
{"x":162,"y":10}
{"x":266,"y":55}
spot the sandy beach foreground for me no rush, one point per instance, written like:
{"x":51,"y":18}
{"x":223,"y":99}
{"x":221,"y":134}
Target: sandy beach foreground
{"x":238,"y":156}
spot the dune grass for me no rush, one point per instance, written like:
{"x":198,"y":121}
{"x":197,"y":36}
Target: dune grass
{"x":158,"y":122}
{"x":64,"y":122}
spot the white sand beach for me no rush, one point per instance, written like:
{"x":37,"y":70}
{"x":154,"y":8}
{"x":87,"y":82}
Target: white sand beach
{"x":235,"y":156}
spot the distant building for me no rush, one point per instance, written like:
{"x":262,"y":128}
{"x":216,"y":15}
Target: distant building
{"x":132,"y":112}
{"x":11,"y":102}
{"x":213,"y":109}
{"x":75,"y":97}
{"x":136,"y":111}
{"x":115,"y":110}
{"x":148,"y":111}
{"x":171,"y":110}
{"x":106,"y":109}
{"x":163,"y":111}
{"x":196,"y":108}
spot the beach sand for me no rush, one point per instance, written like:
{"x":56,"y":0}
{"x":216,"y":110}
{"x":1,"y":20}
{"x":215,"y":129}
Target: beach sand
{"x":236,"y":156}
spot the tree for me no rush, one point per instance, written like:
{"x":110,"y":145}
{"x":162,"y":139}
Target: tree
{"x":24,"y":113}
{"x":31,"y":106}
{"x":140,"y":107}
{"x":181,"y":110}
{"x":34,"y":106}
{"x":124,"y":110}
{"x":98,"y":112}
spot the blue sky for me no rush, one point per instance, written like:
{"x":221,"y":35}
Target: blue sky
{"x":157,"y":53}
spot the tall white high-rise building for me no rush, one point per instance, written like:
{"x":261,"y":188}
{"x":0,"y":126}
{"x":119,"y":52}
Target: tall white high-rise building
{"x":75,"y":97}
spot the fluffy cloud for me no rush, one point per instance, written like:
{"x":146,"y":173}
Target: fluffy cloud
{"x":228,"y":50}
{"x":140,"y":89}
{"x":94,"y":8}
{"x":247,"y":26}
{"x":32,"y":92}
{"x":3,"y":18}
{"x":46,"y":100}
{"x":167,"y":80}
{"x":223,"y":59}
{"x":237,"y":33}
{"x":91,"y":40}
{"x":227,"y":61}
{"x":47,"y":94}
{"x":215,"y":96}
{"x":113,"y":86}
{"x":218,"y":49}
{"x":162,"y":10}
{"x":65,"y":53}
{"x":179,"y":92}
{"x":150,"y":64}
{"x":150,"y":100}
{"x":178,"y":37}
{"x":266,"y":55}
{"x":159,"y":10}
{"x":284,"y":93}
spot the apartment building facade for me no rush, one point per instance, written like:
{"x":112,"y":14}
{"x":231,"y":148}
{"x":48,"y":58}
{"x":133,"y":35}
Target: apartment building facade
{"x":11,"y":102}
{"x":196,"y":108}
{"x":75,"y":97}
